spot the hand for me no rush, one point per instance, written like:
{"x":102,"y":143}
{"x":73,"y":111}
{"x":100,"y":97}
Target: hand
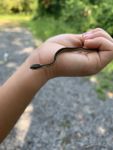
{"x":45,"y":53}
{"x":76,"y":63}
{"x":100,"y":39}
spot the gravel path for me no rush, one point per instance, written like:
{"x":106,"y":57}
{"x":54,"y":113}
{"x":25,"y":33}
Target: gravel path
{"x":65,"y":115}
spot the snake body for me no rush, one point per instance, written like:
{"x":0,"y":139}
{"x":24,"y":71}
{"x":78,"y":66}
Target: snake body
{"x":62,"y":50}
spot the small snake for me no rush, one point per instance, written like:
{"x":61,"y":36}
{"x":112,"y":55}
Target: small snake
{"x":62,"y":50}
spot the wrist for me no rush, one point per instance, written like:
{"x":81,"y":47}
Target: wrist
{"x":46,"y":72}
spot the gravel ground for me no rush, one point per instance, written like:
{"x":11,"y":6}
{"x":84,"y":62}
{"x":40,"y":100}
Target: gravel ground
{"x":66,"y":114}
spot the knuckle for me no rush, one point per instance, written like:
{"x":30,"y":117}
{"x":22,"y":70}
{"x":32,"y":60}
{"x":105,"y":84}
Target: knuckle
{"x":101,"y":33}
{"x":99,"y":29}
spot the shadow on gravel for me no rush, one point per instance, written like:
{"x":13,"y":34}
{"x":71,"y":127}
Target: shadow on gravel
{"x":15,"y":46}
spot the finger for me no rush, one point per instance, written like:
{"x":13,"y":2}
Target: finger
{"x":104,"y":46}
{"x":101,"y":43}
{"x":95,"y":30}
{"x":96,"y":34}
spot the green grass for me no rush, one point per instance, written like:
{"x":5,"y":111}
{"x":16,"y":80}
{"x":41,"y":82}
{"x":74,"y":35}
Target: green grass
{"x":14,"y":20}
{"x":18,"y":17}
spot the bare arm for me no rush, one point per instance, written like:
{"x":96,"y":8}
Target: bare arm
{"x":16,"y":94}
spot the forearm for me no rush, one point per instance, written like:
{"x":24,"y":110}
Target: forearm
{"x":16,"y":94}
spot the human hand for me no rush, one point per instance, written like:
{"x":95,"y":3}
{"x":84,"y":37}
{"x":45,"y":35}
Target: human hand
{"x":76,"y":63}
{"x":46,"y":52}
{"x":101,"y":40}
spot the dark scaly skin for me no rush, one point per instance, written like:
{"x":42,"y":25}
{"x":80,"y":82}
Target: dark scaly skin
{"x":62,"y":50}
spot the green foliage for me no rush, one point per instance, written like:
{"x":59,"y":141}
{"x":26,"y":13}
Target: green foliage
{"x":77,"y":14}
{"x":17,"y":6}
{"x":49,"y":7}
{"x":94,"y":2}
{"x":48,"y":26}
{"x":105,"y":16}
{"x":74,"y":14}
{"x":105,"y":81}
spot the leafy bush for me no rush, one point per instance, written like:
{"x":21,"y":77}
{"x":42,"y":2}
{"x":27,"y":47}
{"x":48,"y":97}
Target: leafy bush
{"x":46,"y":27}
{"x":74,"y":13}
{"x":49,"y":8}
{"x":79,"y":14}
{"x":17,"y":6}
{"x":105,"y":16}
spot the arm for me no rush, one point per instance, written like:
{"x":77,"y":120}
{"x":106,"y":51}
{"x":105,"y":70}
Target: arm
{"x":17,"y":93}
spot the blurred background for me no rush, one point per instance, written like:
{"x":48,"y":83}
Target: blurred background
{"x":28,"y":23}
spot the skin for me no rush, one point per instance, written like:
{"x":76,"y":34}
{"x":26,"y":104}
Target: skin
{"x":59,"y":52}
{"x":17,"y":92}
